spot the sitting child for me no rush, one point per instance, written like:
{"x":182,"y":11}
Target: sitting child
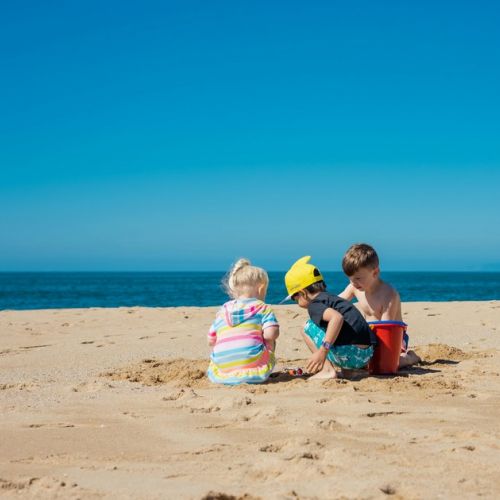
{"x":377,"y":300}
{"x":336,"y":333}
{"x":244,"y":332}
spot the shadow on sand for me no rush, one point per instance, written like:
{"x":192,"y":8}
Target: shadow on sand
{"x":357,"y":375}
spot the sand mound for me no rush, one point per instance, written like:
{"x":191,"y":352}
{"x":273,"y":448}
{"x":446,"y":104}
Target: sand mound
{"x":436,"y":353}
{"x":179,"y":372}
{"x":192,"y":373}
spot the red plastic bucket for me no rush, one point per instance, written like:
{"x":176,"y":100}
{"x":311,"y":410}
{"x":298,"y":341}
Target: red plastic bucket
{"x":389,"y":334}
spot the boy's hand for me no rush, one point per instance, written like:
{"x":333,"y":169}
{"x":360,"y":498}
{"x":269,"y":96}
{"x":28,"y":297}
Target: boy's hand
{"x":317,"y":361}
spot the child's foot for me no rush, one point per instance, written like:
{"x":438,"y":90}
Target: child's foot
{"x":408,"y":358}
{"x":327,"y":373}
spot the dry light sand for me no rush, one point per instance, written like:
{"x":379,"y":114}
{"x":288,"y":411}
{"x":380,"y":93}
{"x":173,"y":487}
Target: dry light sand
{"x":113,"y":403}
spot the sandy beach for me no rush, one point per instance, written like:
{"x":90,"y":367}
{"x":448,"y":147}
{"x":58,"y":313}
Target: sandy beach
{"x":113,"y":403}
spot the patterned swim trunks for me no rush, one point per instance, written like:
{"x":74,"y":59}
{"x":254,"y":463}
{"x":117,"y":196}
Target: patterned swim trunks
{"x":350,"y":357}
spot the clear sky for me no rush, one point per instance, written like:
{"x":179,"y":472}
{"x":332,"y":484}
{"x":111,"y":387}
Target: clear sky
{"x":180,"y":135}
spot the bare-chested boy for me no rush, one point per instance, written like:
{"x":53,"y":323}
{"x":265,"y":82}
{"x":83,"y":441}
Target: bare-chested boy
{"x":377,"y":300}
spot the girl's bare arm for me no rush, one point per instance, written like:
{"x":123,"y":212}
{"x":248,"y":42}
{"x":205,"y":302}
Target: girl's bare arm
{"x":271,"y":333}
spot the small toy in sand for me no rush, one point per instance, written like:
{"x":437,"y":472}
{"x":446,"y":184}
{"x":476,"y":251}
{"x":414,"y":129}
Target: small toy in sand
{"x":293,"y":372}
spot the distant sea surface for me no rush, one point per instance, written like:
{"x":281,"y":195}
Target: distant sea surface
{"x":172,"y":289}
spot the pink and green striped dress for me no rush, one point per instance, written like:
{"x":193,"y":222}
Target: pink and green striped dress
{"x":241,"y":354}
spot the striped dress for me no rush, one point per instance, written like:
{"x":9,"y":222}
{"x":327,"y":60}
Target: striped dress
{"x":240,"y":354}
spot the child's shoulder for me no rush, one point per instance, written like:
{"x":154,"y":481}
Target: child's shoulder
{"x":388,"y":291}
{"x":390,"y":288}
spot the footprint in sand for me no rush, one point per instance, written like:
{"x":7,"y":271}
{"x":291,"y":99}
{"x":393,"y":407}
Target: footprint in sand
{"x":4,"y":387}
{"x":182,"y":393}
{"x":133,"y":415}
{"x":93,"y":386}
{"x":214,"y":426}
{"x":60,"y":425}
{"x":256,"y":389}
{"x":384,"y":413}
{"x":20,"y":386}
{"x":305,"y":455}
{"x":17,"y":485}
{"x":388,"y":489}
{"x":208,"y":409}
{"x":271,"y":448}
{"x":242,"y":402}
{"x":328,"y":425}
{"x":216,"y":495}
{"x":210,"y":449}
{"x":35,"y":346}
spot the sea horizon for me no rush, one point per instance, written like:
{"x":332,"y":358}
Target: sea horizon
{"x":487,"y":271}
{"x":25,"y":290}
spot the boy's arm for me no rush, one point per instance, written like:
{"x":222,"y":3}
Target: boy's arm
{"x":348,"y":293}
{"x":335,"y":321}
{"x":392,"y":311}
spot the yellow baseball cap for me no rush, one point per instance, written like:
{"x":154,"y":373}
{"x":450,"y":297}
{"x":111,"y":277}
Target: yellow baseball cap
{"x":300,"y":276}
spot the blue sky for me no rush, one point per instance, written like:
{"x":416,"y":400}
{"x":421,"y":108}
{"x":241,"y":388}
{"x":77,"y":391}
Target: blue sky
{"x":182,"y":135}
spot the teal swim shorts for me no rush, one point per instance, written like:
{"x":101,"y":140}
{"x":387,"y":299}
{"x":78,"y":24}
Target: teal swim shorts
{"x":350,"y":357}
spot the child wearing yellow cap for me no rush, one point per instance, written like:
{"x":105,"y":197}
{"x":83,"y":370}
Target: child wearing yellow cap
{"x":336,"y":333}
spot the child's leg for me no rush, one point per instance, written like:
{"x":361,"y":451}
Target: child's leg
{"x":328,"y":370}
{"x":407,"y":358}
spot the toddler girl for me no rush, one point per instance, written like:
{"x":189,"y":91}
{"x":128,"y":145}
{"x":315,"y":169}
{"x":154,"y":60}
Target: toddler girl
{"x":245,"y":329}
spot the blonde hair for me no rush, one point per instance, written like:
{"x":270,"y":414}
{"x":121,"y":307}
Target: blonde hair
{"x":243,"y":278}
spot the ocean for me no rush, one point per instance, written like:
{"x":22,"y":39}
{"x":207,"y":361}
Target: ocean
{"x":173,"y":289}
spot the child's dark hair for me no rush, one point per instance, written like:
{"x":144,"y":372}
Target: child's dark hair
{"x":358,"y":256}
{"x":319,"y":286}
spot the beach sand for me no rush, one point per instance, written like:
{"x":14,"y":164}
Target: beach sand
{"x":113,"y":403}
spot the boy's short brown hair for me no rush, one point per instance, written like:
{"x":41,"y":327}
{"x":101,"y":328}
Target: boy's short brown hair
{"x":358,"y":256}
